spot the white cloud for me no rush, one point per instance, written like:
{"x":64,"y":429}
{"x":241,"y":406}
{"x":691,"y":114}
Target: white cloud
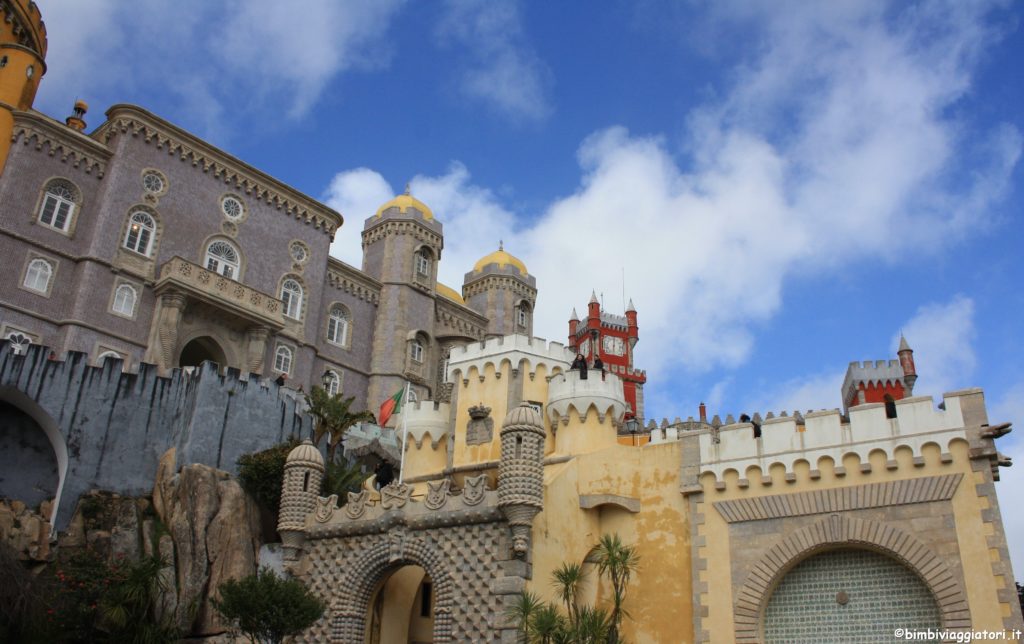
{"x":503,"y":70}
{"x":794,"y":171}
{"x":942,"y":337}
{"x":209,"y":58}
{"x":356,"y":194}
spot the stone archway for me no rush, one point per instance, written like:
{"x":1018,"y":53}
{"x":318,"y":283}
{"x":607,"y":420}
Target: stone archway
{"x":24,"y":408}
{"x":351,"y":606}
{"x":833,"y":531}
{"x":200,"y":349}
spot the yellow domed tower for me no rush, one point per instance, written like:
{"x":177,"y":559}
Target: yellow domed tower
{"x":22,"y":64}
{"x":500,"y":288}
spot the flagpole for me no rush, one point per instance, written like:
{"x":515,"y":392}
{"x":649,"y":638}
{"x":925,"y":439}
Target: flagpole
{"x":405,"y":431}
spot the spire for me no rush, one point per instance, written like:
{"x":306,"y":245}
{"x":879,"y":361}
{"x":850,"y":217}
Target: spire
{"x":407,"y":191}
{"x":630,"y":308}
{"x":574,"y":317}
{"x":593,"y":297}
{"x":903,"y":345}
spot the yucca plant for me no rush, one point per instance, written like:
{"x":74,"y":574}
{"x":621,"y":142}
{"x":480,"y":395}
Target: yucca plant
{"x":617,"y":562}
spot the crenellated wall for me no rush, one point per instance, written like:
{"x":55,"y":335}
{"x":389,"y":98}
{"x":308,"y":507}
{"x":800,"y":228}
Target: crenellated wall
{"x":513,"y":349}
{"x":782,"y":440}
{"x":108,"y":428}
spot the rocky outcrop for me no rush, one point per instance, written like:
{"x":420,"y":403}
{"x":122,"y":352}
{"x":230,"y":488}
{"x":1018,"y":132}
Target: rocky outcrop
{"x":214,"y":527}
{"x":25,"y":530}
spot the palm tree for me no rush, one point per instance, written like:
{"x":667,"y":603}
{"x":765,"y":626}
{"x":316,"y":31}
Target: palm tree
{"x":618,"y":562}
{"x":523,"y":612}
{"x":567,"y":580}
{"x":333,"y":417}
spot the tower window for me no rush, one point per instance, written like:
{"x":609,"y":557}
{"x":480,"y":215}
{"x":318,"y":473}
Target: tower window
{"x":283,"y":359}
{"x":3,"y":62}
{"x":58,"y":207}
{"x":305,"y":482}
{"x":416,"y":351}
{"x":222,"y":258}
{"x":291,"y":296}
{"x":139,"y":237}
{"x":124,"y":300}
{"x":519,"y":446}
{"x":38,"y":275}
{"x":337,"y":325}
{"x":890,"y":407}
{"x":423,"y":261}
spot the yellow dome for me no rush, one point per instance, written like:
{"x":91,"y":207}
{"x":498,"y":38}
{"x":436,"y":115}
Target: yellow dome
{"x":450,"y":293}
{"x":404,"y":202}
{"x":502,"y":259}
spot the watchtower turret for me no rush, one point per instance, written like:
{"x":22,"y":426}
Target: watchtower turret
{"x":303,"y":471}
{"x":22,"y":64}
{"x":521,"y":473}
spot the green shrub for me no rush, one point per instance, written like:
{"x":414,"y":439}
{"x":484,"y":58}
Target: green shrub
{"x":341,"y":478}
{"x":261,"y":473}
{"x":267,"y":608}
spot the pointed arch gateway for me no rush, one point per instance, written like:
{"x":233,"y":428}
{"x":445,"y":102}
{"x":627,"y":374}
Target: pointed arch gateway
{"x":351,"y":606}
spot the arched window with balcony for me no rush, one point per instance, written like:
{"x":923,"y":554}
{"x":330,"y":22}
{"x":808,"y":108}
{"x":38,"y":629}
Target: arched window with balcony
{"x":223,"y":258}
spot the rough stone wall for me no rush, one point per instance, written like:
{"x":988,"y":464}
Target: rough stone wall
{"x":116,"y":425}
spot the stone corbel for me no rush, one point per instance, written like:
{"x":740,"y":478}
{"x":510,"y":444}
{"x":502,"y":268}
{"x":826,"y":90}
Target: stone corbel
{"x":257,"y":348}
{"x":171,"y":307}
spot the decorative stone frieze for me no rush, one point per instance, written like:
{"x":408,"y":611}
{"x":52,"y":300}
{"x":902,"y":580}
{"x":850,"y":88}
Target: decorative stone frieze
{"x":352,"y":281}
{"x":32,"y":128}
{"x":137,"y":122}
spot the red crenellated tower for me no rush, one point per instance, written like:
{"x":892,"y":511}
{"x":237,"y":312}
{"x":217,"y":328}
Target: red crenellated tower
{"x":613,"y":338}
{"x":880,"y":381}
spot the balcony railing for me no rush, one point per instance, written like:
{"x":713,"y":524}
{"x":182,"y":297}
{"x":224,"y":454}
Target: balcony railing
{"x":215,"y":289}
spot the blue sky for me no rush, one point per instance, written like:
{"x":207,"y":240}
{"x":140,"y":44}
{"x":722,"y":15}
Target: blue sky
{"x":786,"y":185}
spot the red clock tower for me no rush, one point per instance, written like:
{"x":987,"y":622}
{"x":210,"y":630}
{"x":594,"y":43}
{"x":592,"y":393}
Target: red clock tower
{"x":612,"y":337}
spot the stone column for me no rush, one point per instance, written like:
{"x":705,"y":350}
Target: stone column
{"x":171,"y":307}
{"x":257,"y":348}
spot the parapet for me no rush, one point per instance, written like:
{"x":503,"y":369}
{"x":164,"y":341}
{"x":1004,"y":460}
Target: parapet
{"x":425,"y":418}
{"x":510,"y":348}
{"x":568,"y":391}
{"x":871,"y":371}
{"x":824,"y":434}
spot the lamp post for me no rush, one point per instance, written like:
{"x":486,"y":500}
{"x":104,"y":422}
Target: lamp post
{"x":632,"y":426}
{"x":326,"y":380}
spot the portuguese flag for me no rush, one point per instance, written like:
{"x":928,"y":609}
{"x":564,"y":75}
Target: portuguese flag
{"x":392,"y":405}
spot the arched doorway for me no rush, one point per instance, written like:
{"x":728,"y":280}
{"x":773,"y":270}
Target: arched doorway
{"x":32,"y":447}
{"x":848,"y":595}
{"x":201,"y":349}
{"x":402,"y":608}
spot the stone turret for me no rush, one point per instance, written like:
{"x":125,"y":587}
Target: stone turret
{"x":521,"y":473}
{"x":906,"y":357}
{"x":303,"y":471}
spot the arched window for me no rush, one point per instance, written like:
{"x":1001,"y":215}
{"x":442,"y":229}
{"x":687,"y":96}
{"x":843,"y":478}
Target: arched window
{"x":125,"y":298}
{"x":423,"y":262}
{"x":37,"y":277}
{"x":283,"y":359}
{"x":222,"y":258}
{"x":139,"y":237}
{"x":337,"y":325}
{"x":332,"y":382}
{"x":291,"y":296}
{"x":101,"y":358}
{"x":416,"y":350}
{"x":412,"y":396}
{"x":523,"y":315}
{"x":19,"y":342}
{"x":58,"y":207}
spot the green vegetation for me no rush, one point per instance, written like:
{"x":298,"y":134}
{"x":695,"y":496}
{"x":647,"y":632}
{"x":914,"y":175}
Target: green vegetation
{"x":544,"y":623}
{"x":261,"y":473}
{"x":267,"y":608}
{"x":85,"y":599}
{"x":333,"y":417}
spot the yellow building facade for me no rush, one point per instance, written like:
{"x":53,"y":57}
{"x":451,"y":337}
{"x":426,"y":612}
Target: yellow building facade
{"x":824,"y":527}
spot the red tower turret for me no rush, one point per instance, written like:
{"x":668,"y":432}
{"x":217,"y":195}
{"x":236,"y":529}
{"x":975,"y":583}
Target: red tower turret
{"x":881,"y":381}
{"x":612,"y":337}
{"x":906,"y":355}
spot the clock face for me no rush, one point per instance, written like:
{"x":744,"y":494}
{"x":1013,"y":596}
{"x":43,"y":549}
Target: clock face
{"x":614,"y":346}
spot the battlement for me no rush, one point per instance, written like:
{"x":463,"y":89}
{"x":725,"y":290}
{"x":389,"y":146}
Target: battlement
{"x":880,"y":371}
{"x":639,"y":374}
{"x":568,"y":391}
{"x":824,"y":434}
{"x":511,"y":348}
{"x":424,"y":418}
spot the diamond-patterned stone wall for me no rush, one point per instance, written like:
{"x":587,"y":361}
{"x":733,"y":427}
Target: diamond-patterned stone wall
{"x":848,"y":596}
{"x":465,"y":564}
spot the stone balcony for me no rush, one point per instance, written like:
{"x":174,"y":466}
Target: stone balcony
{"x":182,"y":276}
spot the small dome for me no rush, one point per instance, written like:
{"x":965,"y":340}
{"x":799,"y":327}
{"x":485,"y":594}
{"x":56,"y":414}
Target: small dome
{"x":450,"y":293}
{"x":405,"y":201}
{"x":502,"y":259}
{"x":305,"y":454}
{"x":524,"y":414}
